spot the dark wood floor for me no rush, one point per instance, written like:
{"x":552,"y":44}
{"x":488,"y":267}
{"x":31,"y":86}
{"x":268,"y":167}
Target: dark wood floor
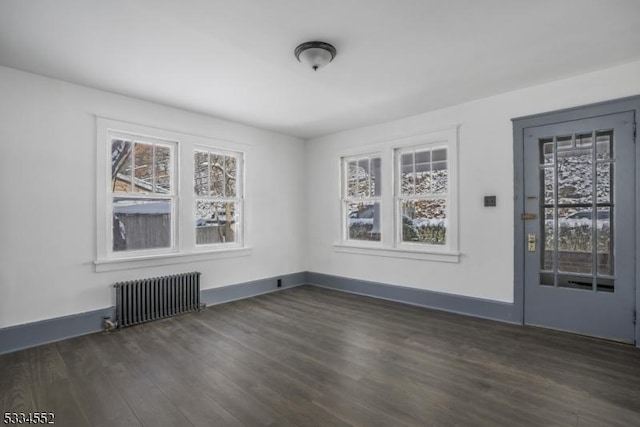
{"x":311,"y":356}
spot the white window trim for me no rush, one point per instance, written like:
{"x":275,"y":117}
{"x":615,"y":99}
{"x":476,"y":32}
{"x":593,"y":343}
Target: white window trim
{"x":391,"y":246}
{"x":166,"y":259}
{"x":185,"y":249}
{"x":422,"y":255}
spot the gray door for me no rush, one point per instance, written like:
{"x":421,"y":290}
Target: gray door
{"x":579,"y":226}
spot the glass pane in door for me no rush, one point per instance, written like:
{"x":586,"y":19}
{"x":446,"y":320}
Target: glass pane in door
{"x":576,"y":177}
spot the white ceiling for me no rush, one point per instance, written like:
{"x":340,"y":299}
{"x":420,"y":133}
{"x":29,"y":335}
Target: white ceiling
{"x":234,"y":59}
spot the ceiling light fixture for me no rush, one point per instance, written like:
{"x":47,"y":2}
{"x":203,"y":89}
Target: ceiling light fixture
{"x":315,"y":54}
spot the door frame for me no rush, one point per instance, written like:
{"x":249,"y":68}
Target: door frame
{"x":559,"y":116}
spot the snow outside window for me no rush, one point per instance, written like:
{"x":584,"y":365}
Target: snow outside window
{"x":399,"y":198}
{"x":166,"y":197}
{"x":218,"y":197}
{"x":422,"y":195}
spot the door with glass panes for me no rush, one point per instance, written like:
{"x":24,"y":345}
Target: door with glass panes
{"x":579,"y":226}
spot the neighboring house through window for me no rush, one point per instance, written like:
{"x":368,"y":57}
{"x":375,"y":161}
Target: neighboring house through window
{"x":165,"y":194}
{"x":142,"y":193}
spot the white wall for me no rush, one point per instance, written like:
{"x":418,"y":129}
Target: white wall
{"x":48,"y":178}
{"x":486,"y":239}
{"x":48,"y":213}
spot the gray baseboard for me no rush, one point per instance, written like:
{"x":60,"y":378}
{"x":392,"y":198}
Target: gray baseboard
{"x":32,"y":334}
{"x":28,"y":335}
{"x":469,"y":306}
{"x":249,"y":289}
{"x":46,"y":331}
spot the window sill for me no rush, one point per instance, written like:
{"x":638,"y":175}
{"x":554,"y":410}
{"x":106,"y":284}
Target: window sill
{"x":452,"y":257}
{"x":103,"y":265}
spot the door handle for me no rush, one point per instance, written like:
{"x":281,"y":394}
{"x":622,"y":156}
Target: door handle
{"x":531,"y":240}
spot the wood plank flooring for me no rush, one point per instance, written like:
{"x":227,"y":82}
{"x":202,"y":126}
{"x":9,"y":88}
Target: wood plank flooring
{"x":309,"y":356}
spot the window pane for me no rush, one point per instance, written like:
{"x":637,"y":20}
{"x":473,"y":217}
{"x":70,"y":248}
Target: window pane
{"x":376,"y":182}
{"x":201,"y":173}
{"x":143,"y":168}
{"x":424,"y":221}
{"x":163,"y":169}
{"x":546,"y":153}
{"x":120,"y":165}
{"x":231,"y":175}
{"x":604,"y":145}
{"x":423,"y":157}
{"x":603,"y":184}
{"x":439,"y":178}
{"x":548,"y":185}
{"x":605,"y":242}
{"x":575,"y":175}
{"x":407,"y":177}
{"x":364,"y":181}
{"x":216,"y":222}
{"x":548,"y":182}
{"x":217,"y":175}
{"x":363,"y":221}
{"x":584,"y":140}
{"x":352,"y":179}
{"x":423,"y":173}
{"x":439,"y":155}
{"x":548,"y":240}
{"x":564,"y":142}
{"x":575,"y":240}
{"x":141,"y":224}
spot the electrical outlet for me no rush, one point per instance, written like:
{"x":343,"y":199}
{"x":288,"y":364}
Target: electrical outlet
{"x":279,"y":283}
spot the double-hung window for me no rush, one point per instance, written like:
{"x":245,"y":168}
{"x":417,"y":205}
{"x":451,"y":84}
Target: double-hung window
{"x":402,"y":201}
{"x":422,"y":195}
{"x":142,"y":196}
{"x":361,"y":188}
{"x":218,"y":197}
{"x":166,"y":197}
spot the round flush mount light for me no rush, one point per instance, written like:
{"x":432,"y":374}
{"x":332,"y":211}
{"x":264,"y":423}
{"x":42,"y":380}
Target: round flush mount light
{"x":315,"y":54}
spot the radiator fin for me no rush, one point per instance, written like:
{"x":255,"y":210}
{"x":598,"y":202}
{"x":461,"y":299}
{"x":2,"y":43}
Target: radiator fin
{"x":139,"y":301}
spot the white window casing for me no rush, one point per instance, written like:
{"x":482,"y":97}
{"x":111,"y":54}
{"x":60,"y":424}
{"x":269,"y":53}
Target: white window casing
{"x":432,"y":232}
{"x":158,"y":194}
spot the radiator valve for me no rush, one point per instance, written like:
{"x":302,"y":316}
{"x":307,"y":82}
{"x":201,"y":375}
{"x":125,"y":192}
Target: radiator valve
{"x":109,"y":324}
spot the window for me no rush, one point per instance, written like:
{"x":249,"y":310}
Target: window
{"x":218,"y":197}
{"x":412,"y":212}
{"x":166,"y":197}
{"x":361,"y":198}
{"x":142,"y":194}
{"x":422,"y":195}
